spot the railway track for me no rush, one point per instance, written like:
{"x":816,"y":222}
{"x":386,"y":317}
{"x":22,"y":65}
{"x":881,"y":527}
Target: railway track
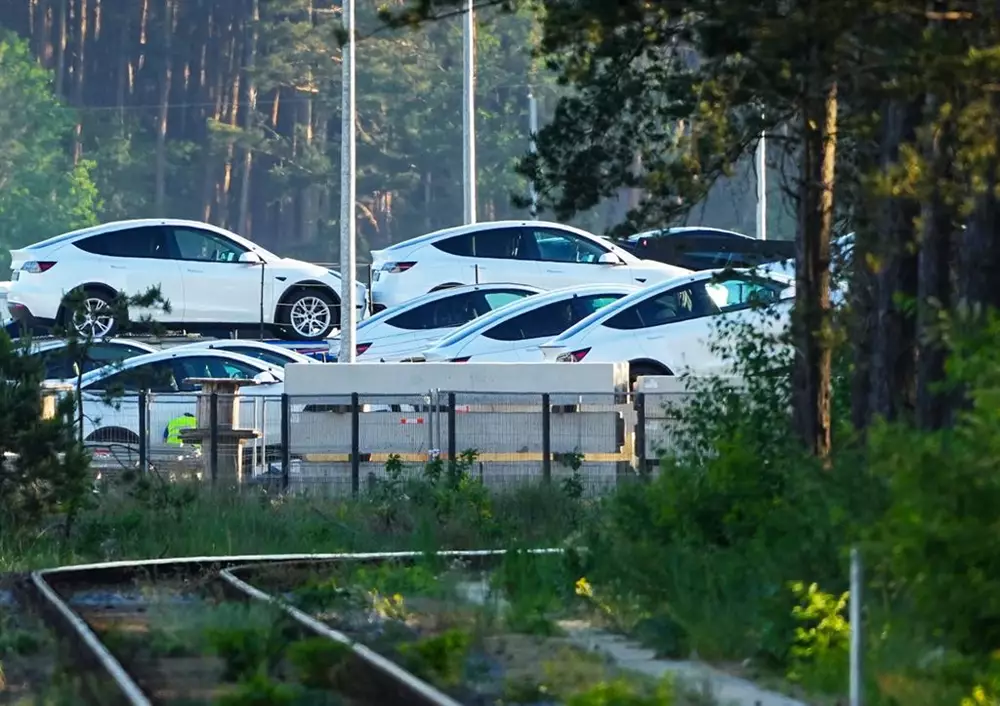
{"x":137,"y":631}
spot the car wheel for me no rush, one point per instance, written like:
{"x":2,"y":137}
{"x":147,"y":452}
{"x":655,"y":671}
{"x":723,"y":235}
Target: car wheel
{"x":311,"y":315}
{"x":95,"y":317}
{"x":637,"y":370}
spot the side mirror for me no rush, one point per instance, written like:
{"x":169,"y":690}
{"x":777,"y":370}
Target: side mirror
{"x":266,"y":377}
{"x":609,"y":258}
{"x":250,"y":258}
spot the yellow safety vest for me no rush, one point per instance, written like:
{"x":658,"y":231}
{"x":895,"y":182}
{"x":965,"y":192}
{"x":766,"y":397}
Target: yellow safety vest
{"x":172,"y":434}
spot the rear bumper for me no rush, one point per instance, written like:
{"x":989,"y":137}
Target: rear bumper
{"x":24,"y":318}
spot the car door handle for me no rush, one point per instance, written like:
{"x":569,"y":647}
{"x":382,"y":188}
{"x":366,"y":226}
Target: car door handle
{"x":654,"y":337}
{"x":555,"y":272}
{"x":117,"y":267}
{"x":198,"y":271}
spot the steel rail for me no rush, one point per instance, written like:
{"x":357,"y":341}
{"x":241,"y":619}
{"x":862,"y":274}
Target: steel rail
{"x":65,"y":621}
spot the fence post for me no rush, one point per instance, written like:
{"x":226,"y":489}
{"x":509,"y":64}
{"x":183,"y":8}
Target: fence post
{"x":143,"y":430}
{"x":546,"y":438}
{"x":452,"y":439}
{"x":437,"y":419}
{"x":856,"y":599}
{"x":213,"y":439}
{"x":355,"y":445}
{"x":640,"y":433}
{"x":286,"y":441}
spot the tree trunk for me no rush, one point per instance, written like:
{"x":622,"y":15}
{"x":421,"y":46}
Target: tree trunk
{"x":934,"y":285}
{"x":78,"y":78}
{"x":243,"y":221}
{"x":894,"y":347}
{"x":160,"y":197}
{"x":812,"y":333}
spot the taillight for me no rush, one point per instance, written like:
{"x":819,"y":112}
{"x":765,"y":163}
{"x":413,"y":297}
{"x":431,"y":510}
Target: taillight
{"x":573,"y":357}
{"x":396,"y":267}
{"x":361,"y":348}
{"x":460,"y":360}
{"x":37,"y":266}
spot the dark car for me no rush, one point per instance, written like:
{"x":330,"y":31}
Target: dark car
{"x":708,"y":248}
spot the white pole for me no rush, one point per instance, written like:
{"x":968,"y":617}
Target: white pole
{"x":469,"y":113}
{"x":533,"y":129}
{"x":855,"y":598}
{"x":348,"y":241}
{"x":761,"y":158}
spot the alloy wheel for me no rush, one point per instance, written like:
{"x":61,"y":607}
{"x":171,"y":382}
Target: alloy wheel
{"x":310,"y":316}
{"x":95,"y":318}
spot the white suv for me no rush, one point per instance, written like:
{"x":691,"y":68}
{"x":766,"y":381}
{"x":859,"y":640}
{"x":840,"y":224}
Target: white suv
{"x":210,"y":277}
{"x":538,"y":253}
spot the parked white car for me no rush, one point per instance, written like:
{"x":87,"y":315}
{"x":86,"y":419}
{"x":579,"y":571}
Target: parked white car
{"x":542,"y":254}
{"x":514,"y":332}
{"x":110,"y":421}
{"x":261,"y":350}
{"x":210,"y":277}
{"x":405,"y":330}
{"x":101,"y":352}
{"x":666,"y":329}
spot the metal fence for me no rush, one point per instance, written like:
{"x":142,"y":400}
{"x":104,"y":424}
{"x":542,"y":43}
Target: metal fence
{"x":342,"y":444}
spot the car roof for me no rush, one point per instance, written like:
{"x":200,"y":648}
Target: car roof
{"x":112,"y":226}
{"x":477,"y":227}
{"x":171,"y":353}
{"x":687,"y":230}
{"x":40,"y":345}
{"x":246,"y":343}
{"x":660,"y":287}
{"x":530,"y":303}
{"x":443,"y":294}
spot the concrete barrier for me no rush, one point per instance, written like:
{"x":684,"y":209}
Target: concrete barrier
{"x":498,"y":413}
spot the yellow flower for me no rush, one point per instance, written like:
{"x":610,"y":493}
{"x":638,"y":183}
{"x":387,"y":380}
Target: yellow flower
{"x":583,"y":588}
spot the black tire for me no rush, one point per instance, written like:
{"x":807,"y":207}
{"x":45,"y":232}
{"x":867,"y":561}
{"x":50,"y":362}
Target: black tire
{"x":290,"y":315}
{"x":93,"y":299}
{"x":637,"y":370}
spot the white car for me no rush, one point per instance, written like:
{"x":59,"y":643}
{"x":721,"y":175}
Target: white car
{"x":99,"y":353}
{"x":542,"y":254}
{"x":110,"y":395}
{"x":261,"y":350}
{"x":666,"y":329}
{"x":209,"y":276}
{"x":514,"y":332}
{"x":403,"y":331}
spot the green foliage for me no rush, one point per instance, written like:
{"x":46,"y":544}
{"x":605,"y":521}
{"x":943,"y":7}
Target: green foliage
{"x":319,"y":662}
{"x":440,"y":658}
{"x":621,"y":692}
{"x":42,"y":193}
{"x":822,"y":639}
{"x":536,"y":587}
{"x":258,"y":689}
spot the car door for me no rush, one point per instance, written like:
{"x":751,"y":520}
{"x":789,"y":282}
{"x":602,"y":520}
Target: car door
{"x":219,"y":288}
{"x":135,"y":259}
{"x":113,"y":402}
{"x":566,"y":259}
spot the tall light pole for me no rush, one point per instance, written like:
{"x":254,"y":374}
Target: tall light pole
{"x":469,"y":112}
{"x":761,"y":160}
{"x":348,"y":239}
{"x":533,"y":129}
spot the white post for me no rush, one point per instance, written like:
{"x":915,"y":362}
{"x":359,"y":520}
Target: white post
{"x":533,"y":129}
{"x":855,"y":598}
{"x":761,"y":159}
{"x":348,"y":240}
{"x":469,"y":113}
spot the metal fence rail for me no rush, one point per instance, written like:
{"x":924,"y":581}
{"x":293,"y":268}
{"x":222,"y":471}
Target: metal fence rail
{"x":341,"y":444}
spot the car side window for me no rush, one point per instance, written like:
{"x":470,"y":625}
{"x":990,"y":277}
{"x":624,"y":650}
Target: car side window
{"x":495,"y":300}
{"x":203,"y":246}
{"x":209,"y":367}
{"x":147,"y":242}
{"x":461,"y":245}
{"x":155,"y":377}
{"x":505,"y":244}
{"x":585,"y":306}
{"x":546,"y":321}
{"x":739,"y":292}
{"x":57,"y":365}
{"x":556,"y":246}
{"x":272,"y":357}
{"x":689,"y":301}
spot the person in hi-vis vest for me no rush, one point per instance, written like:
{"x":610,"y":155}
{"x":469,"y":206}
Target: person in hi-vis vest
{"x":172,"y":432}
